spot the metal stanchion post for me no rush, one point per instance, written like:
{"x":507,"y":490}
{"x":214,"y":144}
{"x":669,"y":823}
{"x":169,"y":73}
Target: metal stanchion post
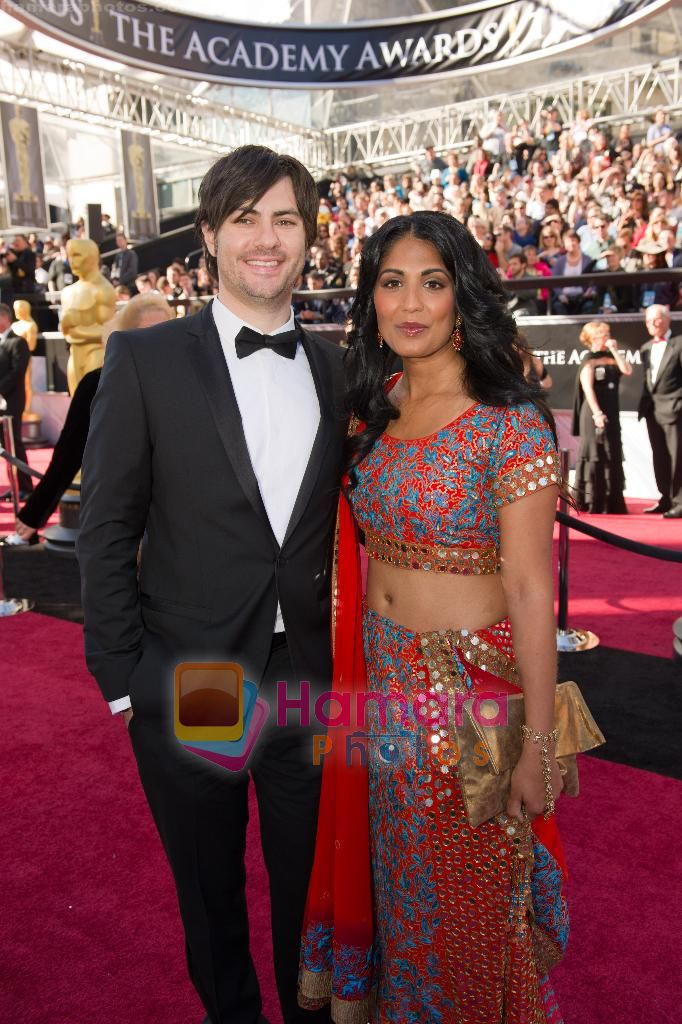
{"x":12,"y":474}
{"x":10,"y":605}
{"x":568,"y":639}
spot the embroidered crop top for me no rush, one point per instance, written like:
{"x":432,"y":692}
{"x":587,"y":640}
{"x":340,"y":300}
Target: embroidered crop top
{"x":431,"y":503}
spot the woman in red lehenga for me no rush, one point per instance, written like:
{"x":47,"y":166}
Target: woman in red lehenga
{"x":415,"y":914}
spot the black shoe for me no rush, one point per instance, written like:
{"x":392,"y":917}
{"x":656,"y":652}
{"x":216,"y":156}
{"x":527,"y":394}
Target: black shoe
{"x":658,"y":509}
{"x":673,"y":513}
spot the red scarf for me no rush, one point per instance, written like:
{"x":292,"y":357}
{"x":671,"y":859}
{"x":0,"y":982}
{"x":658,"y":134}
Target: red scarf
{"x":338,"y":930}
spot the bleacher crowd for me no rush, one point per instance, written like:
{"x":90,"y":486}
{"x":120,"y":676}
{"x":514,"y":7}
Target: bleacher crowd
{"x":569,"y":199}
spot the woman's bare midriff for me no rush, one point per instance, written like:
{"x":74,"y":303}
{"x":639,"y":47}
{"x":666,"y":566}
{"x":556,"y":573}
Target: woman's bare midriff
{"x":423,"y":601}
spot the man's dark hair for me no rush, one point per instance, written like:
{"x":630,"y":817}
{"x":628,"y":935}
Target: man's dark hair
{"x":243,"y":177}
{"x":5,"y":310}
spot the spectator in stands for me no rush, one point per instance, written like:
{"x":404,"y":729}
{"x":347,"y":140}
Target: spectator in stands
{"x":41,"y":276}
{"x":577,"y":210}
{"x":506,"y":247}
{"x":125,"y":266}
{"x":599,"y":479}
{"x":572,"y":299}
{"x":163,"y":287}
{"x":522,"y":303}
{"x":660,"y":293}
{"x":332,"y":274}
{"x":596,"y":241}
{"x":668,"y":239}
{"x":525,"y":231}
{"x":21,"y":263}
{"x":637,"y":216}
{"x":142,"y":311}
{"x":616,"y":298}
{"x":454,"y":174}
{"x":659,"y":131}
{"x":623,"y":140}
{"x":550,"y":245}
{"x":144,"y":284}
{"x":551,"y":129}
{"x":205,"y":284}
{"x":661,"y":407}
{"x":481,"y":164}
{"x":107,"y":227}
{"x":543,"y":191}
{"x":522,"y":144}
{"x":430,"y":162}
{"x":494,"y":139}
{"x":123,"y":293}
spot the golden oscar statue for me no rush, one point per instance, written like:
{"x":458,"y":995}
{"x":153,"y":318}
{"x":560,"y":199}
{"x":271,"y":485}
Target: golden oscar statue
{"x":26,"y":327}
{"x":86,"y":307}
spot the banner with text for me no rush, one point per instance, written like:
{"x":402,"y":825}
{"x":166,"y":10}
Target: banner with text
{"x":479,"y":36}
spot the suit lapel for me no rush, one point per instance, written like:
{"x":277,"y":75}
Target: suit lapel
{"x":214,"y":376}
{"x":645,"y":353}
{"x":667,"y":356}
{"x":325,"y":395}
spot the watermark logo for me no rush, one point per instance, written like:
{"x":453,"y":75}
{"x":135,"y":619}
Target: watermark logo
{"x":218,"y":714}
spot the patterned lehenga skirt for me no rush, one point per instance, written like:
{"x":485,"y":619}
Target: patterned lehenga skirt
{"x":468,"y":920}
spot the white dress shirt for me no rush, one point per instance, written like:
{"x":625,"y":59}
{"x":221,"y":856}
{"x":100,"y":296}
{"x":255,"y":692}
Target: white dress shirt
{"x":280,"y":415}
{"x":656,"y":356}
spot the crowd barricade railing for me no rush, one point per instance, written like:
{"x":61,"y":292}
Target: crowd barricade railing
{"x":575,"y":639}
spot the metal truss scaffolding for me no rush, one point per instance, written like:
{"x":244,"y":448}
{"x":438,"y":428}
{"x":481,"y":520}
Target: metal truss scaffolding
{"x":65,"y":88}
{"x":627,"y":95}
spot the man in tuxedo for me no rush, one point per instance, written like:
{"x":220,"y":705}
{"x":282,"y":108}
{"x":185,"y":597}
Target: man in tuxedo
{"x":661,"y":407}
{"x":226,"y":467}
{"x":14,"y":359}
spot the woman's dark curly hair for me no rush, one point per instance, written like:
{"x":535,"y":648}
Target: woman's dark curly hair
{"x":493,"y":371}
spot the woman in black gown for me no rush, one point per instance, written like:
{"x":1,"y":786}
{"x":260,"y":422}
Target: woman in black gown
{"x":599,"y":479}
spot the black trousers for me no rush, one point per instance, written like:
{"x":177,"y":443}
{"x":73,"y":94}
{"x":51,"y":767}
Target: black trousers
{"x":25,"y":481}
{"x":201,"y":813}
{"x":666,"y":446}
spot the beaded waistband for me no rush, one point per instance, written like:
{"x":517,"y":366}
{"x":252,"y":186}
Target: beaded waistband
{"x":432,"y":557}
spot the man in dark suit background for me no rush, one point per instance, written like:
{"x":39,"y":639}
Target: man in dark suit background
{"x":226,"y":466}
{"x":661,"y":407}
{"x":125,"y":265}
{"x":14,"y":359}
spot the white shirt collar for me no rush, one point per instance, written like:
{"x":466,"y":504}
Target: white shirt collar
{"x":229,"y":325}
{"x":666,"y":337}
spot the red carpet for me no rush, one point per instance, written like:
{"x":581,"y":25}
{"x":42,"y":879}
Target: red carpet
{"x":89,"y":925}
{"x":628,"y":600}
{"x":89,"y":922}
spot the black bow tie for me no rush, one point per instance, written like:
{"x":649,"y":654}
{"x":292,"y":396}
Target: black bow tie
{"x":284,"y":344}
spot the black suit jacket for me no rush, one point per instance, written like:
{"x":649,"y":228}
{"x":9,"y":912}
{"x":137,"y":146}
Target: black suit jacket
{"x":166,"y":458}
{"x":124,"y":267}
{"x":663,"y":399}
{"x":14,"y":357}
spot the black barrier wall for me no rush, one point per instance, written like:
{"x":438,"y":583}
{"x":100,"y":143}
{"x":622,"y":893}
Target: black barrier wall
{"x":556,"y":340}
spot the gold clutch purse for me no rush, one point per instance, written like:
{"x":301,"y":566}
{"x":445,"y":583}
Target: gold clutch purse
{"x":488,"y":753}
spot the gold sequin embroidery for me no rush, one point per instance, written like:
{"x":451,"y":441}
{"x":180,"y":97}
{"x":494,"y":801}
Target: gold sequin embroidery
{"x":432,"y":557}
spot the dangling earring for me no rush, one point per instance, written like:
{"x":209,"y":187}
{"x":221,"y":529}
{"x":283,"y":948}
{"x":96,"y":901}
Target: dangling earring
{"x":456,"y":336}
{"x":380,"y":339}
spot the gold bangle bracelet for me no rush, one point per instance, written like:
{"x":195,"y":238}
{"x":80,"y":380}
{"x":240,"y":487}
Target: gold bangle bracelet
{"x":544,"y":739}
